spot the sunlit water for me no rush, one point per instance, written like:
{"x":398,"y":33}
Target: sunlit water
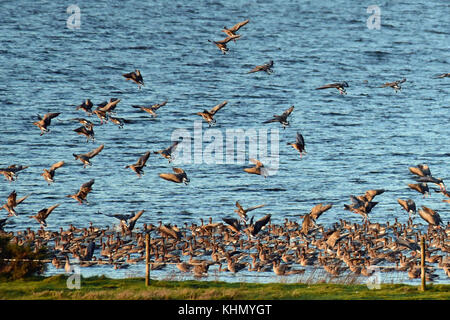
{"x":364,"y":140}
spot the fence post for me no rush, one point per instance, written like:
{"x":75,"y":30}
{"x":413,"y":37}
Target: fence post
{"x":422,"y":263}
{"x":147,"y":259}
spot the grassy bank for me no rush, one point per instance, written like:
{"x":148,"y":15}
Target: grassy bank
{"x":101,"y":288}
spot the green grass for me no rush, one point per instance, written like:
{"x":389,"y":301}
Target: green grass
{"x":102,"y":288}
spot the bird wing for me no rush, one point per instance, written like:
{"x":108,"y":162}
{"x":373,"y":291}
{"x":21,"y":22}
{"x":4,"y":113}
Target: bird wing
{"x":87,"y":185}
{"x":158,"y":105}
{"x":274,"y":119}
{"x":173,"y":147}
{"x":95,"y":152}
{"x":136,"y":216}
{"x":388,"y":84}
{"x":128,"y":75}
{"x":121,"y":217}
{"x":178,"y":170}
{"x":403,"y":204}
{"x":228,"y":39}
{"x":330,"y":85}
{"x":11,"y":202}
{"x":143,"y":159}
{"x":21,"y":199}
{"x":49,"y":210}
{"x":255,"y":207}
{"x":417,"y":171}
{"x":51,"y":115}
{"x":256,"y":162}
{"x":261,"y":223}
{"x":109,"y":105}
{"x":300,"y":139}
{"x":288,"y":112}
{"x":232,"y":222}
{"x":56,"y":165}
{"x":238,"y":25}
{"x":239,"y":206}
{"x":256,"y":69}
{"x":218,"y":107}
{"x":169,"y":177}
{"x":356,"y":203}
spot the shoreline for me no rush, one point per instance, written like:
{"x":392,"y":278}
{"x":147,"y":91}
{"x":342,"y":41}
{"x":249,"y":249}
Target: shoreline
{"x":103,"y":288}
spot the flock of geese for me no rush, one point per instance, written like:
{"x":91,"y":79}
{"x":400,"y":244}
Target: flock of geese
{"x":237,"y":243}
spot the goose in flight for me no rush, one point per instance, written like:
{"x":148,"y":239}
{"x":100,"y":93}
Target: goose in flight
{"x":43,"y":214}
{"x":82,"y":193}
{"x":138,"y":167}
{"x":394,"y":85}
{"x":282,"y":118}
{"x":49,"y":174}
{"x":243,"y":212}
{"x":267,"y":68}
{"x":338,"y":85}
{"x":11,"y":171}
{"x":135,"y":76}
{"x":12,"y":202}
{"x":86,"y":157}
{"x":232,"y":31}
{"x":299,"y":144}
{"x":257,"y":169}
{"x":222,"y":44}
{"x":179,"y":176}
{"x":45,"y":121}
{"x":168,"y":152}
{"x":152,"y":108}
{"x":430,"y":216}
{"x":86,"y":106}
{"x":208,"y":115}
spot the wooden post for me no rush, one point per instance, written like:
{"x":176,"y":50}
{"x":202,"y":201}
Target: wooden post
{"x":147,"y":259}
{"x":422,"y":263}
